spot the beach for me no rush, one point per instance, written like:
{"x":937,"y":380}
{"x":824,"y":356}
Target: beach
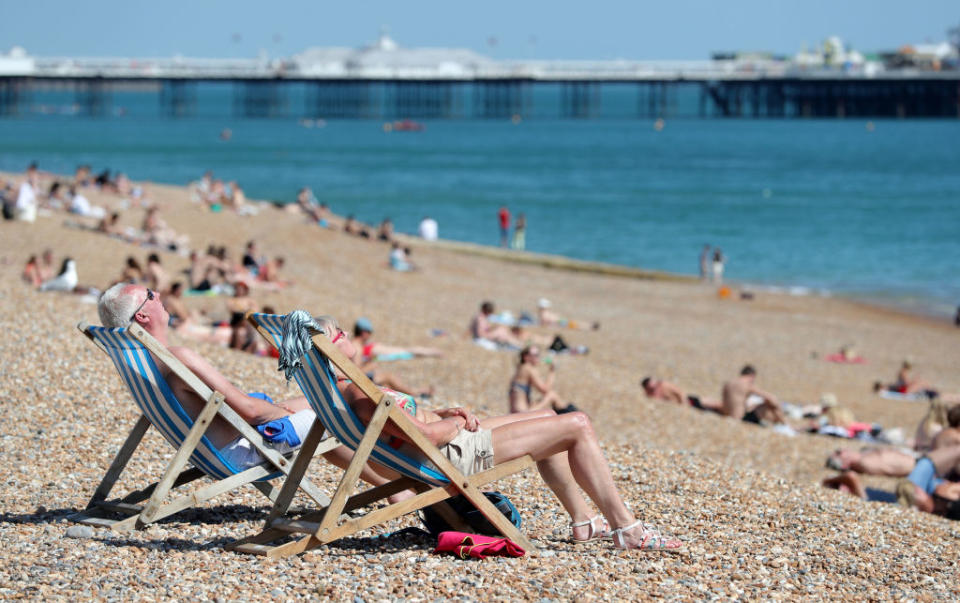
{"x":746,"y":500}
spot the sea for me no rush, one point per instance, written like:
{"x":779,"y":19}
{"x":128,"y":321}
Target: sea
{"x":845,"y":207}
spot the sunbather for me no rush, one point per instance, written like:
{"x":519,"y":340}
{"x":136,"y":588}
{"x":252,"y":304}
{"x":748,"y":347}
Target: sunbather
{"x":926,"y":488}
{"x":374,"y":350}
{"x":889,"y":462}
{"x":664,"y":390}
{"x":565,"y":448}
{"x":736,"y":392}
{"x":125,"y":304}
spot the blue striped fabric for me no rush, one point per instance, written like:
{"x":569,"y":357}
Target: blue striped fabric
{"x":155,"y":399}
{"x":319,"y":385}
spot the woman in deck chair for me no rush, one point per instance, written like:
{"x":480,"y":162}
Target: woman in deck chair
{"x":565,"y":448}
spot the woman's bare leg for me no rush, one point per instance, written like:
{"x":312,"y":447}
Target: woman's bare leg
{"x":571,"y":433}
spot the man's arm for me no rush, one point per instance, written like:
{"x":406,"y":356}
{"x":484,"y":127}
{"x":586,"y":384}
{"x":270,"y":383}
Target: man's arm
{"x":252,"y":410}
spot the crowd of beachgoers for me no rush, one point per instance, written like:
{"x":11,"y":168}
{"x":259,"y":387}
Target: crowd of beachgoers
{"x":927,"y":460}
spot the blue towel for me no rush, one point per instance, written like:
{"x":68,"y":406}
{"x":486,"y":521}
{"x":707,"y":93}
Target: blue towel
{"x":280,"y":431}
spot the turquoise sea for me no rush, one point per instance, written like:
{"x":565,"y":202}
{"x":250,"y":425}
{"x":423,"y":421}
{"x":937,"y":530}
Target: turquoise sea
{"x":818,"y":206}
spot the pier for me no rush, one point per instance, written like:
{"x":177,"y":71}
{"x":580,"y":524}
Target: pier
{"x":384,"y":81}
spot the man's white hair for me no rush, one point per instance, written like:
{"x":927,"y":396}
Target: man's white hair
{"x":116,"y":307}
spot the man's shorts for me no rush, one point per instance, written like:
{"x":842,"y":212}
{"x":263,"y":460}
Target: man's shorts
{"x":242,"y":455}
{"x":752,"y":417}
{"x":471,"y":451}
{"x":924,"y":474}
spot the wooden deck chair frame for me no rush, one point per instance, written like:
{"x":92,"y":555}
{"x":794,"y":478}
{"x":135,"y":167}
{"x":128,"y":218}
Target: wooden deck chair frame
{"x":330,"y":522}
{"x":177,"y":474}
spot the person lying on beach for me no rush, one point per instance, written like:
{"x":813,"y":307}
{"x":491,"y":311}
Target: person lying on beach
{"x":548,"y":318}
{"x":384,"y":378}
{"x":527,"y":378}
{"x":906,"y":383}
{"x":565,"y":447}
{"x":664,"y":390}
{"x":873,"y":460}
{"x":482,"y":329}
{"x":735,"y":393}
{"x":489,"y":334}
{"x":927,"y":489}
{"x":125,"y":304}
{"x":371,"y":350}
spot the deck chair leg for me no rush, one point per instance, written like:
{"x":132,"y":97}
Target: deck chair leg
{"x":462,"y":483}
{"x":289,"y":489}
{"x":352,"y":474}
{"x":200,"y":425}
{"x":120,"y":461}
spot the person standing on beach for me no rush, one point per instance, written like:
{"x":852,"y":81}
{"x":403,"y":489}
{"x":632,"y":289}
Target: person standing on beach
{"x":736,"y":392}
{"x":704,"y":262}
{"x":520,"y":232}
{"x":504,"y":216}
{"x":718,"y":266}
{"x":25,"y":209}
{"x":428,"y":229}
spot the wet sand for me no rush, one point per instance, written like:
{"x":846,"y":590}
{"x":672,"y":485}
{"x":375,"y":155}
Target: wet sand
{"x":745,"y":499}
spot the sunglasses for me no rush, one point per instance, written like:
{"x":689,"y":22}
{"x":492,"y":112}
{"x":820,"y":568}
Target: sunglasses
{"x":340,"y":335}
{"x":149,"y":297}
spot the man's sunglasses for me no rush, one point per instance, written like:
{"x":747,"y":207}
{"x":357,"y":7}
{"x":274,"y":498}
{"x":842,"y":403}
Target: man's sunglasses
{"x":140,"y":307}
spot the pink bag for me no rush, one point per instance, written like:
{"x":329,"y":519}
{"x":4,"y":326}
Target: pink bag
{"x":475,"y":545}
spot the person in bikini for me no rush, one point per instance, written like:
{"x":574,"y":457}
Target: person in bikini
{"x":565,"y":447}
{"x":527,"y":378}
{"x":664,"y":390}
{"x":371,"y":350}
{"x":125,"y":304}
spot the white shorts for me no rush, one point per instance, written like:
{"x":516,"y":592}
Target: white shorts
{"x":242,"y":455}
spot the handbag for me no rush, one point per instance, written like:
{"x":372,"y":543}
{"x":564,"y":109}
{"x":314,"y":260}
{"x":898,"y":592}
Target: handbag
{"x":435,"y":523}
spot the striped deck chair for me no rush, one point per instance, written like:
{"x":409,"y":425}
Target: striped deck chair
{"x":433,"y":484}
{"x":134,"y":352}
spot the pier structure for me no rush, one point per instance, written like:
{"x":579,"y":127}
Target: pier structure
{"x":385,"y":81}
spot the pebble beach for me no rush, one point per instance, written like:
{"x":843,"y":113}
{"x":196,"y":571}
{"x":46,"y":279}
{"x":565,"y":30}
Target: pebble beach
{"x":746,"y":500}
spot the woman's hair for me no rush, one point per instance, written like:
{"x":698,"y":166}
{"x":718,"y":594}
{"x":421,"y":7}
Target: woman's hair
{"x":132,"y":262}
{"x":526,"y":352}
{"x":153,"y":258}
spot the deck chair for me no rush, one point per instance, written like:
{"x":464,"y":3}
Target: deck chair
{"x":433,"y":483}
{"x":133,"y":352}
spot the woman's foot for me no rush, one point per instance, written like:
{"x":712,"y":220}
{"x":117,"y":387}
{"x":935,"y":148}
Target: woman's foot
{"x":593,"y":528}
{"x":644,"y":537}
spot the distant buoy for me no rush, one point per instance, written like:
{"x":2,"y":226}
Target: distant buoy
{"x":516,"y":118}
{"x":387,"y":127}
{"x":870,"y":126}
{"x":659,"y":124}
{"x":226,"y":134}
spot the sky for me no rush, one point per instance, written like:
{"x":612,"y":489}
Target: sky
{"x":517,"y":29}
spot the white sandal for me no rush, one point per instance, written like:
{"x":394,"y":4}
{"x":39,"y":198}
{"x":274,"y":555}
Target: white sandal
{"x":652,"y":539}
{"x":595,"y":533}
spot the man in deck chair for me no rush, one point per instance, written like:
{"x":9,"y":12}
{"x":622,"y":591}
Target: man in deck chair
{"x":284,"y":425}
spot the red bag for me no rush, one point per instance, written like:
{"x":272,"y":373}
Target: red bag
{"x":475,"y":545}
